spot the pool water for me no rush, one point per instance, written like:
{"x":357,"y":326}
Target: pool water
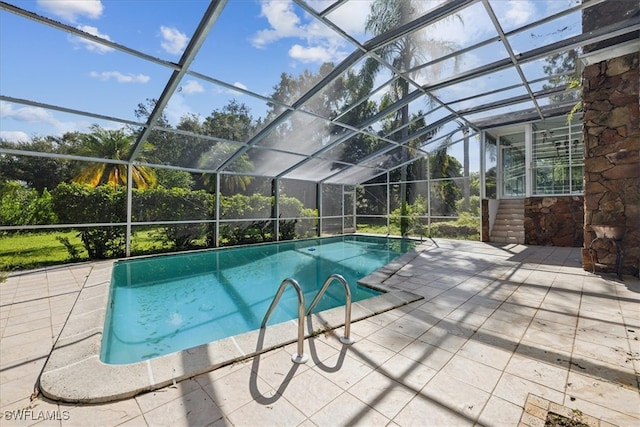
{"x":164,"y":304}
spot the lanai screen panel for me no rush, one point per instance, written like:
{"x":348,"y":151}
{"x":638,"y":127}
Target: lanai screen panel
{"x":316,"y":90}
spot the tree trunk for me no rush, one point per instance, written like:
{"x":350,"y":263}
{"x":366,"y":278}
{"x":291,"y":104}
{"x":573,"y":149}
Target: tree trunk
{"x":404,"y":188}
{"x":466,"y":189}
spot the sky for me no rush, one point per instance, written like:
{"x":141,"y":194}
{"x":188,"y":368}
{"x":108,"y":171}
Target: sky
{"x":250,"y":46}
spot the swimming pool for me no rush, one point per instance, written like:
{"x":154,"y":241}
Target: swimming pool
{"x":164,"y":304}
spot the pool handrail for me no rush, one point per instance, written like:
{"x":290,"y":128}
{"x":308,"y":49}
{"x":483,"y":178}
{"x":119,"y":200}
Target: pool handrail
{"x":300,"y":357}
{"x":346,"y":339}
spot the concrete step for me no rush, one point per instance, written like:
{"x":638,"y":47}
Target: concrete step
{"x":507,"y":233}
{"x":519,"y":241}
{"x":519,"y":202}
{"x":507,"y":240}
{"x":510,"y":211}
{"x":509,"y":223}
{"x":507,"y":226}
{"x":512,"y":217}
{"x":519,"y":222}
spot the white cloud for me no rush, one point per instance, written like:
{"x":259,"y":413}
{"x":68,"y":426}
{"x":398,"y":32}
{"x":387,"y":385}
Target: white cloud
{"x":470,"y":25}
{"x":310,"y":54}
{"x":240,"y":85}
{"x":352,"y":16}
{"x":553,"y":6}
{"x":319,"y":5}
{"x":119,"y":77}
{"x":176,"y":109}
{"x":519,"y":12}
{"x":173,"y":41}
{"x":71,"y":10}
{"x":235,"y":92}
{"x":88,"y":44}
{"x":26,"y":114}
{"x":319,"y":42}
{"x":220,"y":90}
{"x":191,"y":86}
{"x":283,"y":21}
{"x":39,"y":117}
{"x":14,"y":136}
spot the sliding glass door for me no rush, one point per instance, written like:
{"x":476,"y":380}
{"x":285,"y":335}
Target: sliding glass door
{"x":513,"y":165}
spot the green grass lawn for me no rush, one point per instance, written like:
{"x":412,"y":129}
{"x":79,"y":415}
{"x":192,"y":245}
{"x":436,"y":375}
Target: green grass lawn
{"x":31,"y":250}
{"x":24,"y":251}
{"x":466,"y":228}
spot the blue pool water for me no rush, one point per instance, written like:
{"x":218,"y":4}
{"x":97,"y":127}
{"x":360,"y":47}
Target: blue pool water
{"x":164,"y":304}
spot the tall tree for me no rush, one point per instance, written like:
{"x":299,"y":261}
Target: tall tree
{"x":304,"y":130}
{"x":403,"y":54}
{"x":446,"y":143}
{"x":562,"y":71}
{"x":39,"y":173}
{"x":445,"y":192}
{"x":355,"y":111}
{"x":116,"y":145}
{"x":234,"y":123}
{"x":169,"y":147}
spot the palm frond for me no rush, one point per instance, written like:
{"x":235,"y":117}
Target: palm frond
{"x":91,"y":175}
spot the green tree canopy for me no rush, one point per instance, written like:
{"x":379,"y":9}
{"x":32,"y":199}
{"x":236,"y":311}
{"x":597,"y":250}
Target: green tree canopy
{"x":38,"y":172}
{"x":115,"y":145}
{"x":234,"y":123}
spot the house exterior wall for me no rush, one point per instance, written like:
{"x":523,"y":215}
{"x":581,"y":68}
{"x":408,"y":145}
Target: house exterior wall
{"x":612,"y":161}
{"x":554,"y":221}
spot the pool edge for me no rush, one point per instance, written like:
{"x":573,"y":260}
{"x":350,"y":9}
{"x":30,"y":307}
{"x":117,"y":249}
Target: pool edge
{"x":74,"y":373}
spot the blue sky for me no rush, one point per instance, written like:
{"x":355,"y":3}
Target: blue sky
{"x":249,"y":47}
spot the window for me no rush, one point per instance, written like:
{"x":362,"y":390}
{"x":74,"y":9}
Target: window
{"x":558,"y":153}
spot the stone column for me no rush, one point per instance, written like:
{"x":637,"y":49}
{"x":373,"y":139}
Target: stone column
{"x":484,"y":218}
{"x":612,"y":162}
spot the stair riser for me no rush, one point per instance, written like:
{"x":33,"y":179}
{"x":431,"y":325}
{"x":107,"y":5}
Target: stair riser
{"x":508,"y":226}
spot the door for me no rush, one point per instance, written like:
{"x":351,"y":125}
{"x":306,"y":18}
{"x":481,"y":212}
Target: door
{"x":513,"y":165}
{"x":349,"y":214}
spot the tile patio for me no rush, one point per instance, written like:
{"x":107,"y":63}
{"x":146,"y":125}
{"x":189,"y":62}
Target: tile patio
{"x":504,"y":333}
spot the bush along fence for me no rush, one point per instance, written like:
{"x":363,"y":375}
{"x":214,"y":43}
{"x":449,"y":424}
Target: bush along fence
{"x":244,"y":218}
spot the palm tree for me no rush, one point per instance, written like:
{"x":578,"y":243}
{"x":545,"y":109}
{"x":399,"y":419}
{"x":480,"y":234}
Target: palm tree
{"x":229,"y":183}
{"x":403,"y":54}
{"x":115,"y":145}
{"x":446,"y":143}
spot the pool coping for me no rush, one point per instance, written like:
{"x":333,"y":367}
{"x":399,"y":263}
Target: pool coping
{"x":74,"y":373}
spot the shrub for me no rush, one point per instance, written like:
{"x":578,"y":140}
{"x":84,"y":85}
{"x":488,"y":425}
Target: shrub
{"x":295,"y":220}
{"x":23,"y":206}
{"x":175,"y":204}
{"x":465,"y":227}
{"x":82,"y":204}
{"x":414,"y":210}
{"x":74,"y":254}
{"x":474,"y":205}
{"x":241,"y":206}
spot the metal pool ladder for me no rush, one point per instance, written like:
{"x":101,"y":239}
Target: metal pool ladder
{"x":300,"y":357}
{"x":347,"y":308}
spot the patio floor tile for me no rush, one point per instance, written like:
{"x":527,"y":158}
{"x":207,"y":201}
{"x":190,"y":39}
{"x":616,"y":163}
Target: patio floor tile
{"x":502,"y":334}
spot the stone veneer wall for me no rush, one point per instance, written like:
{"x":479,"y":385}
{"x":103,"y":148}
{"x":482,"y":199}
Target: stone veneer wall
{"x":554,"y":221}
{"x":612,"y":160}
{"x":484,"y":218}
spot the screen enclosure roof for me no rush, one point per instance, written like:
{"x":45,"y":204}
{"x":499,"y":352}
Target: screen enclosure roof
{"x":329,"y":92}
